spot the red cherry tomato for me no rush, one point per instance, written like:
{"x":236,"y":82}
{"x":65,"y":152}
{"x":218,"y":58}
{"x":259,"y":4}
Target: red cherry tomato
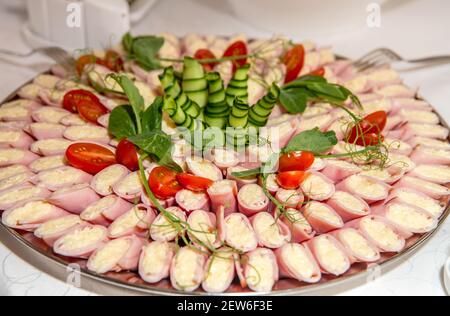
{"x":193,"y":183}
{"x":89,"y":157}
{"x":318,"y":72}
{"x":291,"y":180}
{"x":371,"y":139}
{"x":294,"y":60}
{"x":206,"y":54}
{"x":126,"y":154}
{"x":85,"y":60}
{"x":91,"y":111}
{"x":372,"y":124}
{"x":113,"y":61}
{"x":163,"y":182}
{"x":296,"y":161}
{"x":238,"y":48}
{"x":72,"y":98}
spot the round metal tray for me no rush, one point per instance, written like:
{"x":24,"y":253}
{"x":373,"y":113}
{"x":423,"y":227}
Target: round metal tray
{"x":38,"y":254}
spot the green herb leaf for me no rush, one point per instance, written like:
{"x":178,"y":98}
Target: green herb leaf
{"x":326,"y":89}
{"x":145,"y":49}
{"x":303,"y":81}
{"x":247,"y":173}
{"x":127,"y":42}
{"x":314,"y":141}
{"x":293,"y":100}
{"x":152,"y":117}
{"x":122,"y":122}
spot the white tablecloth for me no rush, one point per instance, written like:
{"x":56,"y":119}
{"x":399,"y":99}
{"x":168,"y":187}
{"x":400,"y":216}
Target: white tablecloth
{"x":416,"y":28}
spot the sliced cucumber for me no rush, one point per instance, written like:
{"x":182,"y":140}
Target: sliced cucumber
{"x":260,"y":112}
{"x":194,"y":82}
{"x":217,"y":111}
{"x":239,"y":114}
{"x":179,"y":116}
{"x":238,"y":86}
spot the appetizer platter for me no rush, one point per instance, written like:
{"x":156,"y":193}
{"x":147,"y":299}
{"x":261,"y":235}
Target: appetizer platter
{"x":210,"y":165}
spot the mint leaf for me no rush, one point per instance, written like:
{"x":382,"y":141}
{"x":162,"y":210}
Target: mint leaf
{"x":127,"y":42}
{"x":326,"y":89}
{"x":314,"y":141}
{"x":145,"y":49}
{"x":152,"y":117}
{"x":293,"y":100}
{"x":122,"y":122}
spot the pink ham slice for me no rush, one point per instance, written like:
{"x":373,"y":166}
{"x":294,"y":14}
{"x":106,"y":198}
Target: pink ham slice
{"x":117,"y":255}
{"x":163,"y":228}
{"x":367,"y":188}
{"x":386,"y":175}
{"x":429,"y":143}
{"x":409,"y":103}
{"x":270,"y":233}
{"x":398,"y":147}
{"x":317,"y":187}
{"x":260,"y":270}
{"x":271,"y":184}
{"x":419,"y":116}
{"x":13,"y":156}
{"x":81,"y":242}
{"x":431,"y":189}
{"x":348,"y":206}
{"x":106,"y":210}
{"x":42,"y":131}
{"x":300,"y":229}
{"x":130,"y":187}
{"x":204,"y":168}
{"x":224,"y":193}
{"x":155,"y":261}
{"x":63,"y":177}
{"x":106,"y":179}
{"x":330,"y":254}
{"x":15,"y":114}
{"x":424,"y":155}
{"x":74,"y":199}
{"x":337,"y":170}
{"x":188,"y":269}
{"x":49,"y":114}
{"x":240,"y":181}
{"x":19,"y":195}
{"x":17,"y":180}
{"x":31,"y":215}
{"x":47,"y":163}
{"x":419,"y":199}
{"x":238,"y":232}
{"x":225,"y":158}
{"x":322,"y":217}
{"x":434,"y":173}
{"x":220,"y":271}
{"x":90,"y":133}
{"x":379,"y":232}
{"x":52,"y":230}
{"x":15,"y":139}
{"x":190,"y":201}
{"x":7,"y":172}
{"x":297,"y":262}
{"x":252,"y":200}
{"x":290,"y":198}
{"x":136,"y":221}
{"x":202,"y":229}
{"x":50,"y":147}
{"x":397,"y":91}
{"x":73,"y":120}
{"x":357,"y":247}
{"x":424,"y":130}
{"x":164,"y":203}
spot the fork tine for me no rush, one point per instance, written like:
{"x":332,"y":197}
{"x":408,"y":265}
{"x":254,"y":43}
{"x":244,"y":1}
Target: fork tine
{"x":367,"y":57}
{"x":383,"y":60}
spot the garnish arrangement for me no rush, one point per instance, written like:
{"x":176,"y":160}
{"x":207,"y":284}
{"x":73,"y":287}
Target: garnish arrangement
{"x":209,"y":161}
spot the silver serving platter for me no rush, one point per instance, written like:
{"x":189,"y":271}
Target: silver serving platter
{"x":35,"y":252}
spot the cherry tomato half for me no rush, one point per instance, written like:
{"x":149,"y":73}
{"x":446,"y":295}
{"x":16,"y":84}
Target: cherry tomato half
{"x":72,"y":98}
{"x":193,"y":183}
{"x":238,"y":48}
{"x":291,"y":180}
{"x":113,"y":61}
{"x":89,"y":157}
{"x":85,"y":60}
{"x":294,"y":60}
{"x":91,"y":111}
{"x":126,"y":154}
{"x":372,"y":124}
{"x":206,"y":54}
{"x":296,"y":161}
{"x":163,"y":182}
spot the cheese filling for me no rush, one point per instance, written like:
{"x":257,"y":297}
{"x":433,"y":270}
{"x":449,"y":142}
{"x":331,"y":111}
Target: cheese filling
{"x":330,"y":255}
{"x":86,"y":132}
{"x":383,"y":234}
{"x":267,"y":229}
{"x":344,"y":165}
{"x":127,"y":221}
{"x":73,"y":120}
{"x":13,"y":181}
{"x":56,"y":226}
{"x":260,"y":271}
{"x":61,"y":176}
{"x":109,"y":255}
{"x":396,"y":144}
{"x":316,"y":187}
{"x":30,"y":213}
{"x":131,"y":184}
{"x":219,"y":269}
{"x":290,"y":198}
{"x":402,"y":162}
{"x":253,"y":196}
{"x":96,"y":209}
{"x":296,"y":218}
{"x":203,"y":168}
{"x":105,"y":180}
{"x":185,"y":268}
{"x":202,"y":228}
{"x":81,"y":238}
{"x":424,"y":202}
{"x":155,"y":257}
{"x":59,"y":145}
{"x":349,"y":202}
{"x":191,"y":199}
{"x":162,"y":229}
{"x":12,"y":170}
{"x":47,"y":163}
{"x":430,"y":142}
{"x":9,"y":155}
{"x":50,"y":114}
{"x":239,"y":233}
{"x":380,"y":174}
{"x":430,"y":186}
{"x":358,"y":244}
{"x":438,"y":153}
{"x":319,"y":210}
{"x":435,"y":173}
{"x":366,"y":186}
{"x":419,"y":116}
{"x":13,"y":112}
{"x":21,"y":194}
{"x":9,"y":136}
{"x":428,"y":130}
{"x":297,"y":259}
{"x":317,"y":121}
{"x":405,"y":216}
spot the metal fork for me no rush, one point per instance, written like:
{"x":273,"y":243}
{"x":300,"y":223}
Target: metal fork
{"x":382,"y":56}
{"x":59,"y":55}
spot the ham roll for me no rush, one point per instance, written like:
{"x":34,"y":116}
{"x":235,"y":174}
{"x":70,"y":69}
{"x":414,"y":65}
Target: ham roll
{"x":74,"y":199}
{"x":42,"y":131}
{"x":367,"y":188}
{"x":15,"y":139}
{"x":425,"y":130}
{"x":52,"y":230}
{"x":290,"y":198}
{"x":81,"y":242}
{"x":301,"y":229}
{"x":155,"y":261}
{"x":434,"y":173}
{"x":7,"y":172}
{"x":321,"y":121}
{"x":18,"y":180}
{"x":357,"y":246}
{"x":271,"y":184}
{"x":13,"y":156}
{"x":188,"y":269}
{"x":431,"y":189}
{"x":269,"y":232}
{"x":337,"y":170}
{"x":260,"y":270}
{"x":240,"y":181}
{"x":322,"y":217}
{"x":297,"y":262}
{"x":238,"y":232}
{"x":21,"y":103}
{"x":106,"y":210}
{"x":429,"y":143}
{"x":48,"y":114}
{"x":252,"y":200}
{"x":386,"y":175}
{"x":190,"y":201}
{"x":220,"y":271}
{"x":18,"y":195}
{"x":136,"y":221}
{"x":130,"y":187}
{"x":117,"y":255}
{"x":426,"y":155}
{"x":224,"y":193}
{"x":409,"y":103}
{"x":348,"y":206}
{"x":418,"y":199}
{"x":87,"y":133}
{"x":330,"y":254}
{"x":50,"y":147}
{"x":106,"y":179}
{"x":202,"y":228}
{"x":73,"y":120}
{"x":380,"y":233}
{"x":400,"y":163}
{"x":30,"y":216}
{"x":47,"y":163}
{"x":318,"y":187}
{"x":204,"y":168}
{"x":225,"y":158}
{"x":162,"y":229}
{"x":62,"y":177}
{"x":15,"y":114}
{"x":419,"y":116}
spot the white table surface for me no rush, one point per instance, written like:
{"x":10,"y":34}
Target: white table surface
{"x":413,"y":28}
